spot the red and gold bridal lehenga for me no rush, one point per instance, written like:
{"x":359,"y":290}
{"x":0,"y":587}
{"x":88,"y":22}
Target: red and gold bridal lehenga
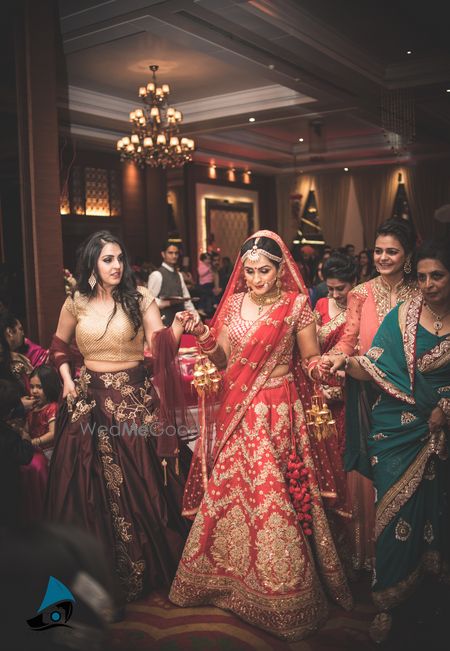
{"x":247,"y":551}
{"x":367,"y":305}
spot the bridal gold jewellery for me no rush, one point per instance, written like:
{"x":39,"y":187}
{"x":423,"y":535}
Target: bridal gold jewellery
{"x":254,"y":254}
{"x":265,"y":299}
{"x":439,"y":320}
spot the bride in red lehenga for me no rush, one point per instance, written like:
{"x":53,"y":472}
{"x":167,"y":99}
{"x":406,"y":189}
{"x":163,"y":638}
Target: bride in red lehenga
{"x":260,"y":544}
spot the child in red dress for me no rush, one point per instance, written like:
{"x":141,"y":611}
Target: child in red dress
{"x":44,"y":387}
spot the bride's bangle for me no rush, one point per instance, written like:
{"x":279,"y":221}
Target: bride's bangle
{"x":207,"y":341}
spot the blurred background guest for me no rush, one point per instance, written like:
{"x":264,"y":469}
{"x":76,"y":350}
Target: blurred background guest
{"x":167,"y":285}
{"x":366,"y":270}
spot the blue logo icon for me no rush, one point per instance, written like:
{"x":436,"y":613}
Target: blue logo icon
{"x":55,"y":609}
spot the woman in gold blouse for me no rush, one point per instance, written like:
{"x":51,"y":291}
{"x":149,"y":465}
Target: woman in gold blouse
{"x":117,"y":470}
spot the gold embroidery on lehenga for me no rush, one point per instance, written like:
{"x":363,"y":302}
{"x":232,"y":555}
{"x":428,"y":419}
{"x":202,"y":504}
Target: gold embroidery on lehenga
{"x":192,"y":546}
{"x":280,"y":560}
{"x":137,"y":404}
{"x":130,"y":572}
{"x":82,"y":406}
{"x":325,"y":330}
{"x":231,"y":542}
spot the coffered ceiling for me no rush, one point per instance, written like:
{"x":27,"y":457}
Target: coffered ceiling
{"x":311,"y":69}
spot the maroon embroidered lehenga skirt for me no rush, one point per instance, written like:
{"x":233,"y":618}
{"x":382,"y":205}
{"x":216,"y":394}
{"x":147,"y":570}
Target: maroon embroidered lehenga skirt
{"x":106,"y":477}
{"x":246,"y":551}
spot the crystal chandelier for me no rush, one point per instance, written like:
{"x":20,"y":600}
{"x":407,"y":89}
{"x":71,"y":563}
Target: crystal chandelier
{"x":155,"y":137}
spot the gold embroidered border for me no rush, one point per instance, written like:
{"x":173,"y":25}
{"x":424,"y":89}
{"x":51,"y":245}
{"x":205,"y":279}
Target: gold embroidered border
{"x":380,"y":378}
{"x":290,"y":617}
{"x":334,"y":323}
{"x":435,"y":358}
{"x":401,"y":491}
{"x":131,"y":573}
{"x":430,"y":562}
{"x":410,"y":334}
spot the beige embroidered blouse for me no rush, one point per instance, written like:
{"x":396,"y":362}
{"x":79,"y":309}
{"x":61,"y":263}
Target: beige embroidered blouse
{"x":99,"y":343}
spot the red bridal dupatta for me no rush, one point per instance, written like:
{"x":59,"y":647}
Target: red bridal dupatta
{"x":249,"y":367}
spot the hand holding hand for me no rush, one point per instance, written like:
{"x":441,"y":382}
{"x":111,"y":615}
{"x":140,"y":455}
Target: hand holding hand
{"x":329,"y":364}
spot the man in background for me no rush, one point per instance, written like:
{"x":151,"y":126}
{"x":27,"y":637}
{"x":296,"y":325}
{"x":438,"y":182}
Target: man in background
{"x":168,"y":287}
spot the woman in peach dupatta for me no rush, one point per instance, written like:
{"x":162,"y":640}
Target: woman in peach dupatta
{"x":260,"y":544}
{"x":368,"y":304}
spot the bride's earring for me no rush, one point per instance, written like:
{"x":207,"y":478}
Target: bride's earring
{"x":278,"y":283}
{"x":92,"y":281}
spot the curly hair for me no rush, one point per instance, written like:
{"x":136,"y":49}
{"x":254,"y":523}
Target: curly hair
{"x":126,"y":293}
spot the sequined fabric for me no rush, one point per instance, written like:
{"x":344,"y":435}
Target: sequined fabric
{"x":120,"y":344}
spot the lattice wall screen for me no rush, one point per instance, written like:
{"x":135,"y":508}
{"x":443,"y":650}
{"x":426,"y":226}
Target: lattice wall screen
{"x":230,"y":228}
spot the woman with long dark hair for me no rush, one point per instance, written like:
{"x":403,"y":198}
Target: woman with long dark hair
{"x":118,"y":463}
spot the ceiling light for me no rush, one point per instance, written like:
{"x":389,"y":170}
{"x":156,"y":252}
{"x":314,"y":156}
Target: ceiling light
{"x":345,"y":169}
{"x":155,"y":134}
{"x":300,"y":139}
{"x":251,"y":119}
{"x":448,"y":90}
{"x":408,"y":51}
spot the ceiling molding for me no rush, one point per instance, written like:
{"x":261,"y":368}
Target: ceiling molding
{"x":218,"y":106}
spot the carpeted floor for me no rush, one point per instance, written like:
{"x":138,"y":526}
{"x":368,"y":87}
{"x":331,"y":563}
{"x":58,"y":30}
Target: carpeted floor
{"x":154,"y":623}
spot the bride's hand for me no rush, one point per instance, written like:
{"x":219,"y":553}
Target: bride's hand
{"x":329,"y":364}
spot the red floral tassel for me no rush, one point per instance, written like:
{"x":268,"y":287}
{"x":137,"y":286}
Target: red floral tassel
{"x":298,"y":476}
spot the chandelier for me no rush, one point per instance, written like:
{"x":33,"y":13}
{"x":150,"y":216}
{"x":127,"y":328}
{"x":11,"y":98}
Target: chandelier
{"x":398,"y":119}
{"x":154,"y":136}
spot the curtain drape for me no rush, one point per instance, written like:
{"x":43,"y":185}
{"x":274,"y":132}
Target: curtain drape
{"x":428,"y":188}
{"x":332,"y":201}
{"x":375,"y":190}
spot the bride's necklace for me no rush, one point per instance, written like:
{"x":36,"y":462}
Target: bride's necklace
{"x":265,"y":299}
{"x":439,"y":320}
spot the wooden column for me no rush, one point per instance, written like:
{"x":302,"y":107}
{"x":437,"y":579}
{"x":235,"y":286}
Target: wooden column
{"x":156,"y":211}
{"x":35,"y":50}
{"x":134,"y":223}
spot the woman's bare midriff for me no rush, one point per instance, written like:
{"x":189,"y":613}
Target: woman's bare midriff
{"x":280,"y":370}
{"x":109,"y":367}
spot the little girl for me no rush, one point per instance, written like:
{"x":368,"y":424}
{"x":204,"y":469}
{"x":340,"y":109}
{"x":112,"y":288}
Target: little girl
{"x":44,"y":388}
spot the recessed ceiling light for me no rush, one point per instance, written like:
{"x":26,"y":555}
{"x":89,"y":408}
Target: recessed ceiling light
{"x":251,"y":119}
{"x":345,"y":169}
{"x":448,"y":90}
{"x":408,"y":51}
{"x":300,"y":139}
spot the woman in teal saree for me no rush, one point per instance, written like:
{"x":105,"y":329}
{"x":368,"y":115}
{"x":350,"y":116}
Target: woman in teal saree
{"x":409,"y":361}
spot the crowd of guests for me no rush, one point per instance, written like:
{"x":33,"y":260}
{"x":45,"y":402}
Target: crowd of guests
{"x":369,"y":493}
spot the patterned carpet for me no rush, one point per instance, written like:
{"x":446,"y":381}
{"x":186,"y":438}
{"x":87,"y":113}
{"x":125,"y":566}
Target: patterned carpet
{"x":154,"y":623}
